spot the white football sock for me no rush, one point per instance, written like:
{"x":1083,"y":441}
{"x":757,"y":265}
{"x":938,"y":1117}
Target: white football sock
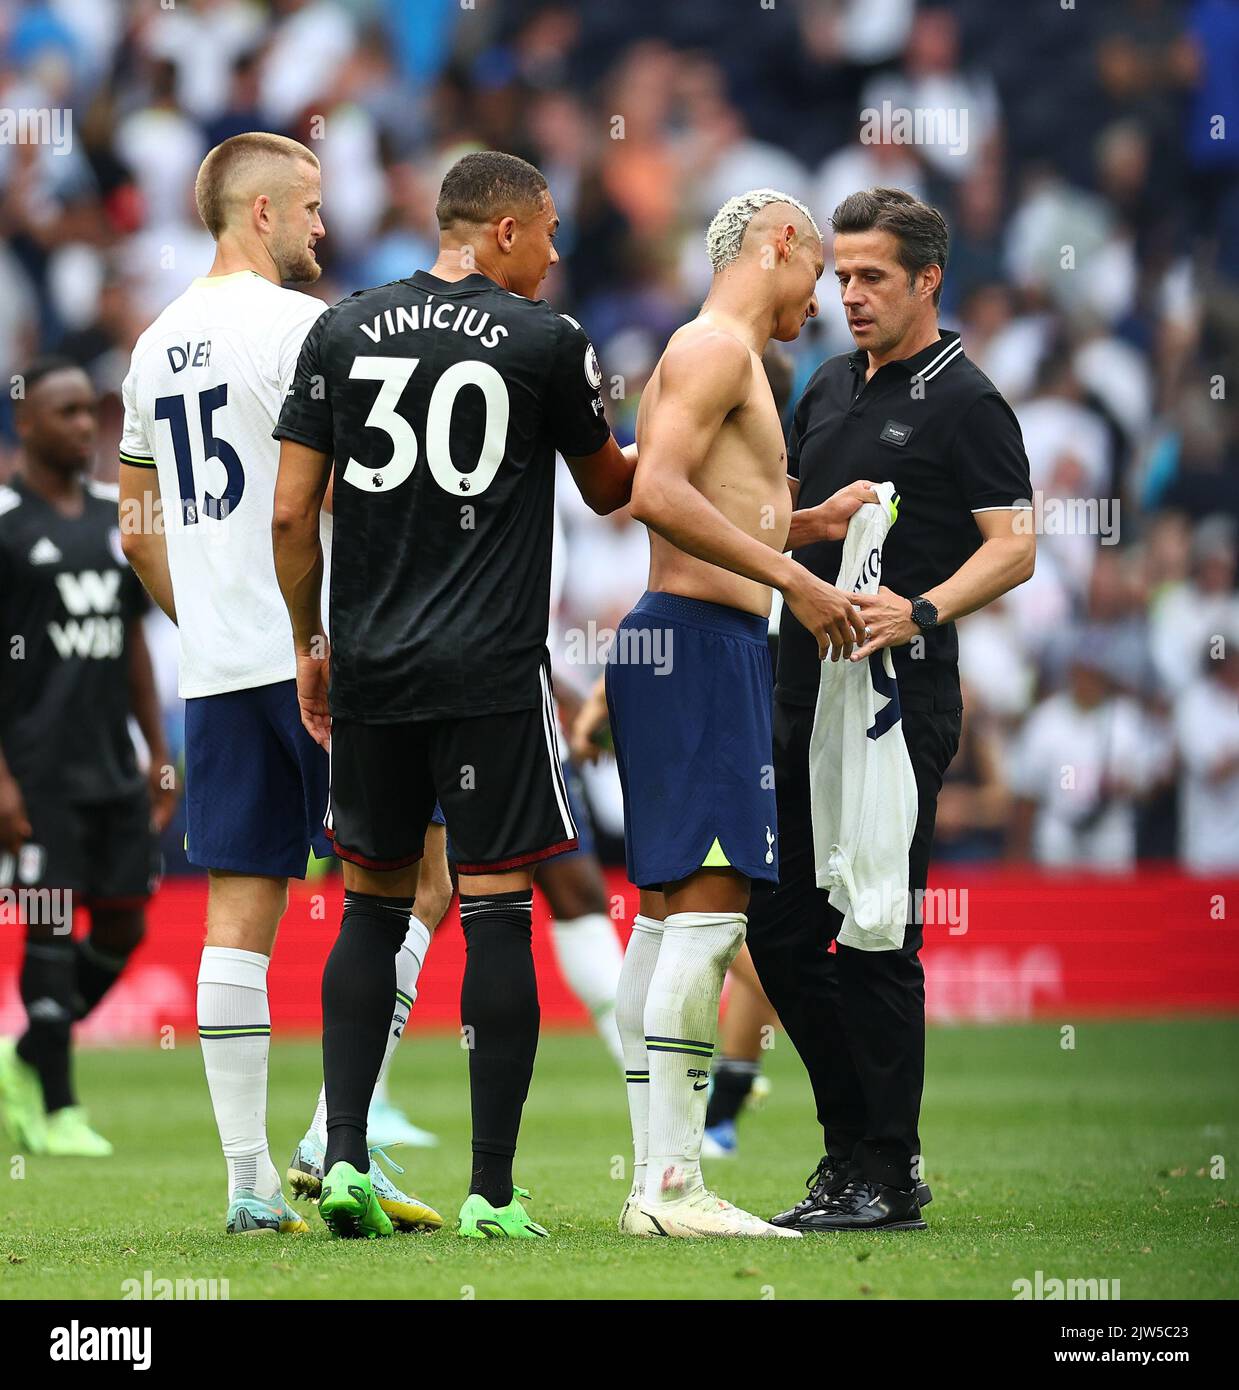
{"x":681,"y":1022}
{"x":634,"y":982}
{"x":234,"y":1023}
{"x":318,"y":1125}
{"x":409,"y":961}
{"x":590,"y":958}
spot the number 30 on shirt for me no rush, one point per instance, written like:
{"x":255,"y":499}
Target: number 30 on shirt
{"x":394,"y":373}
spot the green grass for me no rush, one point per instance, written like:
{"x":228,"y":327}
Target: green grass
{"x":1091,"y":1163}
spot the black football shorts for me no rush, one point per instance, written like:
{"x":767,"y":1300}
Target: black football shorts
{"x":497,"y":777}
{"x":105,"y":853}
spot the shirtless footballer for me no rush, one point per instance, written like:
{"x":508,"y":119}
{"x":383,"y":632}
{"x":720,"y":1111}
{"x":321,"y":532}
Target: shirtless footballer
{"x":692,"y":728}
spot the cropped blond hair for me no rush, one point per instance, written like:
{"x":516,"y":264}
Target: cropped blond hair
{"x":223,"y":174}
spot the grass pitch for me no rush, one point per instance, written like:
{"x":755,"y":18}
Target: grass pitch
{"x":1114,"y":1160}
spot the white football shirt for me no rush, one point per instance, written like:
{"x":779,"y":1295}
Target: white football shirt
{"x":863,"y":800}
{"x":202,"y":396}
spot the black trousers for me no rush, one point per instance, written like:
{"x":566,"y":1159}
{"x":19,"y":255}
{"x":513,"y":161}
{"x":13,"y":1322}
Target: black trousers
{"x":857,"y":1018}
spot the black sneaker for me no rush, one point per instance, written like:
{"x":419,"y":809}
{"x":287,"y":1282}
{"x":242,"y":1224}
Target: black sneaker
{"x":825,"y":1182}
{"x":866,"y":1206}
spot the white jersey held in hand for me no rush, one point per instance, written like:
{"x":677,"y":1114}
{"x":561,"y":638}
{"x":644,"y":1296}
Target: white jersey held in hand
{"x":202,"y":396}
{"x":862,"y":787}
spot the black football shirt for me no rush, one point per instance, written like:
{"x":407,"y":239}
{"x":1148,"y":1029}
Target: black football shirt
{"x":67,"y":597}
{"x":935,"y":426}
{"x":443,"y":404}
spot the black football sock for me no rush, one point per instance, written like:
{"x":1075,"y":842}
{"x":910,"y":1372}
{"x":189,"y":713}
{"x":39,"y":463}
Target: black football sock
{"x":359,"y":984}
{"x":100,"y":957}
{"x":733,"y":1080}
{"x":47,"y":991}
{"x":499,"y":1011}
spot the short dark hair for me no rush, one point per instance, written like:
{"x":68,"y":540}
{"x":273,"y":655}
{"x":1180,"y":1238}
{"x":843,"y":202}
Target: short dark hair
{"x":487,"y":185}
{"x":919,"y":229}
{"x":48,"y":364}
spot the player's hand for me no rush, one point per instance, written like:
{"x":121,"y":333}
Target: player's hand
{"x":888,"y":622}
{"x":590,"y":721}
{"x":839,"y":508}
{"x":15,"y":828}
{"x":312,"y":677}
{"x":163,"y":790}
{"x":828,"y":613}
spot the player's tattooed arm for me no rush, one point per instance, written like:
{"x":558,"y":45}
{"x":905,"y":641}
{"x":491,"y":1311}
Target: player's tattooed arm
{"x":142,"y":537}
{"x":299,"y":491}
{"x":144,"y":702}
{"x":701,"y":382}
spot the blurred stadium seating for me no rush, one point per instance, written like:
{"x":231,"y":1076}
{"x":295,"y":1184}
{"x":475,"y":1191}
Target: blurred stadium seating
{"x":1094,"y":274}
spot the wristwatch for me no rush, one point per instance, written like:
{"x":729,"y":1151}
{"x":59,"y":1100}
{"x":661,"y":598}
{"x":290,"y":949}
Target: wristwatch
{"x":924,"y":614}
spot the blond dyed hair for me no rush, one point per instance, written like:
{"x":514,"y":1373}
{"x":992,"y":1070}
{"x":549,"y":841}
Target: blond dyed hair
{"x":725,"y":234}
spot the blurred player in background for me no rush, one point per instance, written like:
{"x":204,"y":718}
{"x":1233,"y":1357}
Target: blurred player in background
{"x":197,"y":483}
{"x":587,"y":949}
{"x":77,"y":817}
{"x":439,"y":603}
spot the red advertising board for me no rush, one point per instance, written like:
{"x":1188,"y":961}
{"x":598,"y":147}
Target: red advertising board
{"x":1000,"y":945}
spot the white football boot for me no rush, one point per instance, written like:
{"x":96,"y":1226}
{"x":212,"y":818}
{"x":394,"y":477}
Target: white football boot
{"x":700,"y":1214}
{"x":632,"y":1222}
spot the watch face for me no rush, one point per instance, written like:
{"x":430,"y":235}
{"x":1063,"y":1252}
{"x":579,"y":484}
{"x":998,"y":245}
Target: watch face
{"x":924,"y":614}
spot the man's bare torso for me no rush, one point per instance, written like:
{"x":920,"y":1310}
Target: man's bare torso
{"x":744,"y":476}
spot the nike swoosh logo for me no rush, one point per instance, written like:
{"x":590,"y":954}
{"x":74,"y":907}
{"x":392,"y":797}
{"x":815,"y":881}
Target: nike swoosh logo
{"x":700,"y":1087}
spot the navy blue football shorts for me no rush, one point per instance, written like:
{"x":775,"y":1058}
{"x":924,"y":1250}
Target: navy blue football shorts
{"x":690,"y":689}
{"x":256,"y":783}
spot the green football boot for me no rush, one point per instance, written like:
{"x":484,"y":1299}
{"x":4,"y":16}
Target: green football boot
{"x":21,"y":1101}
{"x":349,"y":1206}
{"x":480,"y":1221}
{"x":68,"y":1134}
{"x":407,"y":1213}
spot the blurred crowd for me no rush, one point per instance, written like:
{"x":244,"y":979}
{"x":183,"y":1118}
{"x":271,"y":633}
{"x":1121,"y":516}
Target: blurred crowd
{"x":1091,"y":183}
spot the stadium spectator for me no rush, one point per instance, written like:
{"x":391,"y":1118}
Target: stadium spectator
{"x":1097,"y":133}
{"x":974,"y":803}
{"x":1190,"y":615}
{"x":1207,"y":725}
{"x":1079,"y":765}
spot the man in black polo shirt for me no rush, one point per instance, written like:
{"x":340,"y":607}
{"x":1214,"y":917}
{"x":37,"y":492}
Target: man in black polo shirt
{"x":909,"y":407}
